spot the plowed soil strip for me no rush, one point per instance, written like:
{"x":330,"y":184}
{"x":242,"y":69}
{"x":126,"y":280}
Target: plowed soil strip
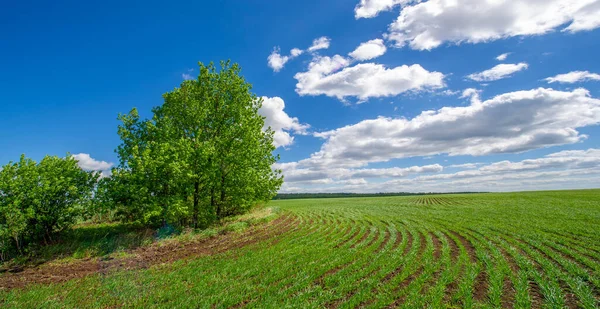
{"x":140,"y":258}
{"x":386,"y":239}
{"x":480,"y":286}
{"x":403,"y":285}
{"x":375,"y":238}
{"x":468,"y":247}
{"x":362,"y":239}
{"x":437,"y":245}
{"x":347,"y":240}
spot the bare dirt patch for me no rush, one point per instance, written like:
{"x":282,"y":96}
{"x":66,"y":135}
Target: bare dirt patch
{"x":144,"y":257}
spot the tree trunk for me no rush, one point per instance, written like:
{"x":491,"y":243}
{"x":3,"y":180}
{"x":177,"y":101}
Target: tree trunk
{"x":196,"y":200}
{"x":213,"y":202}
{"x":222,"y":202}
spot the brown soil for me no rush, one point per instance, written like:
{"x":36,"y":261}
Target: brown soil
{"x":386,"y":239}
{"x":437,"y":245}
{"x":409,"y":243}
{"x":397,"y":241}
{"x":468,"y":247}
{"x":347,"y":240}
{"x":362,"y":239}
{"x":480,"y":286}
{"x":375,"y":238}
{"x":536,"y":294}
{"x":144,"y":257}
{"x":321,"y":280}
{"x":403,"y":285}
{"x":454,"y":251}
{"x":508,"y":294}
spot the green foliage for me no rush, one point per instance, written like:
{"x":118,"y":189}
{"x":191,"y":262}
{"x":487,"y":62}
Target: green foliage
{"x":38,"y":200}
{"x":203,"y":155}
{"x":509,"y":250}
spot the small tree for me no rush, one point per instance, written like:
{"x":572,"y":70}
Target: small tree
{"x":38,"y":200}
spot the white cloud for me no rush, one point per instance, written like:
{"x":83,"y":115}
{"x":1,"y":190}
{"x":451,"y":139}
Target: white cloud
{"x":295,"y":52}
{"x":87,"y":163}
{"x":498,"y":72}
{"x":363,"y":81}
{"x":320,"y":43}
{"x":429,"y":24}
{"x":465,"y":165}
{"x":471,"y":93}
{"x":293,"y":174}
{"x":187,"y":76}
{"x":573,"y":77}
{"x":369,"y":50}
{"x":372,"y":8}
{"x":588,"y":17}
{"x":508,"y":123}
{"x":560,"y":170}
{"x":502,"y":57}
{"x":280,"y":122}
{"x":276,"y":61}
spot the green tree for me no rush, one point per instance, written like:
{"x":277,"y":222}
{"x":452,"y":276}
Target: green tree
{"x":203,"y":155}
{"x":38,"y":200}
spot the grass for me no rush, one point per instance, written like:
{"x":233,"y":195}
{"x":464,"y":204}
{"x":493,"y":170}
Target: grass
{"x":511,"y":250}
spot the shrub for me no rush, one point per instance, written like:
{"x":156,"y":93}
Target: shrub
{"x":38,"y":200}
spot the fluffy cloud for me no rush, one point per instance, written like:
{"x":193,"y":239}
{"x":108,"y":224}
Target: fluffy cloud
{"x":87,"y":163}
{"x":363,"y":81}
{"x":429,"y":24}
{"x":509,"y":123}
{"x":371,"y":8}
{"x":498,"y":72}
{"x":502,"y":57}
{"x":280,"y":122}
{"x":320,"y":43}
{"x":295,"y":52}
{"x":560,"y":170}
{"x":573,"y":77}
{"x":294,"y":174}
{"x":276,"y":61}
{"x":369,"y":50}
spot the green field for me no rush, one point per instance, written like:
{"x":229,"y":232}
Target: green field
{"x":510,"y":250}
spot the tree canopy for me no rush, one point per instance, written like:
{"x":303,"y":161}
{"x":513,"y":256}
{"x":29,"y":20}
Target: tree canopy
{"x":38,"y":200}
{"x":202,"y":156}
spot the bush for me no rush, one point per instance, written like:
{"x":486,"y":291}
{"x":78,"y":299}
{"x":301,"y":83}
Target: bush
{"x":38,"y":200}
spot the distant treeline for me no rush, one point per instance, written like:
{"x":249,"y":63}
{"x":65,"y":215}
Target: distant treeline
{"x":291,"y":196}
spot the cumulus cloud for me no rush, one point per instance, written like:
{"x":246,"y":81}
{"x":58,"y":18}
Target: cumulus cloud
{"x":87,"y":163}
{"x":502,"y":57}
{"x":427,"y":25}
{"x":295,"y":52}
{"x":320,"y":43}
{"x":372,"y":8}
{"x":187,"y":76}
{"x":573,"y":77}
{"x":498,"y":72}
{"x":280,"y":122}
{"x":276,"y":61}
{"x":293,"y":173}
{"x":369,"y":50}
{"x":332,"y":77}
{"x":508,"y":123}
{"x":560,"y":170}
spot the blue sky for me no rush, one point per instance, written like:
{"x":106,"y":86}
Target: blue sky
{"x":348,"y":118}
